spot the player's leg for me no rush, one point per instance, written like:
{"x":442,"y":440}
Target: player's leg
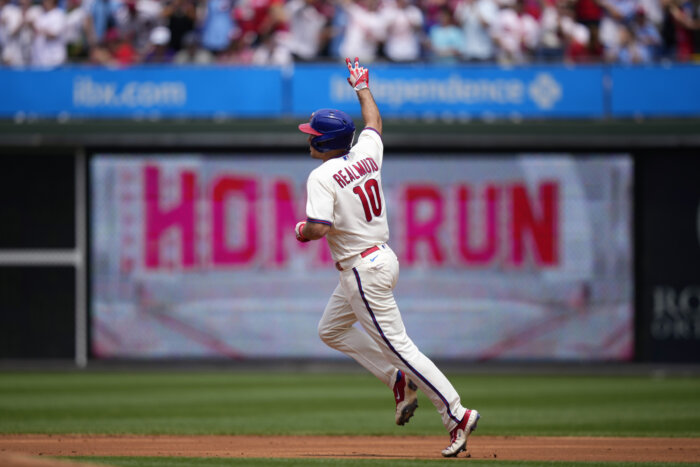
{"x":336,"y":330}
{"x":369,"y":289}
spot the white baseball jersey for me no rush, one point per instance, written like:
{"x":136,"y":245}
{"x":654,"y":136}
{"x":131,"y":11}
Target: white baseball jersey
{"x":346,"y":194}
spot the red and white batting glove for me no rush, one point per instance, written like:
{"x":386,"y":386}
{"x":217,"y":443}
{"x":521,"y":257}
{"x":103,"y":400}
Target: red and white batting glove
{"x":359,"y":76}
{"x":297,"y":231}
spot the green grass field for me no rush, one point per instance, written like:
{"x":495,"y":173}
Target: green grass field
{"x":226,"y":402}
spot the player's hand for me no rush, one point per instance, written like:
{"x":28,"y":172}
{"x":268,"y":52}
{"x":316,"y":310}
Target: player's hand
{"x":359,"y":76}
{"x":297,"y":231}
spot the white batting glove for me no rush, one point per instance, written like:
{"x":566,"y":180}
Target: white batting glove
{"x":297,"y":232}
{"x":359,"y":76}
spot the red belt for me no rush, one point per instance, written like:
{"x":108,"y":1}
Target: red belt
{"x":367,"y":252}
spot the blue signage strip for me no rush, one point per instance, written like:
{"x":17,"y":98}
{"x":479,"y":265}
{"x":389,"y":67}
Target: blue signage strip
{"x":158,"y":91}
{"x":660,"y":91}
{"x":457,"y":91}
{"x":402,"y":91}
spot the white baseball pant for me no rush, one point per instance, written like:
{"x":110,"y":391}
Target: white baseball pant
{"x":365,"y":294}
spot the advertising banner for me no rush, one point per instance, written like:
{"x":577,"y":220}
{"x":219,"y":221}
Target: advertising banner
{"x":670,"y":246}
{"x":502,"y":257}
{"x":448,"y":92}
{"x":456,"y":91}
{"x":661,"y":91}
{"x":142,"y":92}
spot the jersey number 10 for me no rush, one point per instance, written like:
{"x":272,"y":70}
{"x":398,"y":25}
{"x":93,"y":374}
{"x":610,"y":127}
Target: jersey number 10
{"x":371,"y":200}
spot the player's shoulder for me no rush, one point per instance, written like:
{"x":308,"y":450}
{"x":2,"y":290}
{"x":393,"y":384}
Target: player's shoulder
{"x":369,"y":141}
{"x":317,"y":172}
{"x":371,"y":132}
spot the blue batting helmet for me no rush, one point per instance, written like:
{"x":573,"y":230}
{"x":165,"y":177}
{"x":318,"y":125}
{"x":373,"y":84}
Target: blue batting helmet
{"x":331,"y":128}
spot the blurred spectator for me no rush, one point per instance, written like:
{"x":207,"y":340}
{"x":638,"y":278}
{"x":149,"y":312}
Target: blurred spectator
{"x":150,"y":10}
{"x":258,"y":18}
{"x":552,"y":41}
{"x":218,"y":27}
{"x":115,"y":50}
{"x":239,"y":51}
{"x":668,"y":31}
{"x":339,"y":24}
{"x":102,"y":14}
{"x":404,"y":26}
{"x":275,"y":32}
{"x":364,"y":31}
{"x":477,"y":18}
{"x":160,"y":51}
{"x":686,"y":15}
{"x":588,"y":12}
{"x":79,"y":33}
{"x":534,"y":7}
{"x":7,"y":11}
{"x":101,"y":53}
{"x":26,"y":33}
{"x":10,"y":25}
{"x":695,"y":27}
{"x":49,"y":45}
{"x":515,"y":33}
{"x":579,"y":46}
{"x":445,"y":39}
{"x":135,"y":20}
{"x":616,"y":13}
{"x":123,"y":49}
{"x":192,"y":52}
{"x":646,"y":33}
{"x":309,"y":28}
{"x":432,"y":10}
{"x":561,"y":36}
{"x":271,"y":51}
{"x":630,"y":50}
{"x":181,"y":16}
{"x":653,"y":9}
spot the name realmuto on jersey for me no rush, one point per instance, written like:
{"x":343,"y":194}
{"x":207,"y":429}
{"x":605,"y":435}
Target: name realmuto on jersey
{"x":355,"y":171}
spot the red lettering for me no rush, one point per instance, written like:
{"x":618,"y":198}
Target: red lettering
{"x":180,"y":217}
{"x":425,"y":228}
{"x":374,"y":165}
{"x":360,"y":170}
{"x":365,"y":164}
{"x":542,"y":229}
{"x":340,"y":181}
{"x":350,"y":174}
{"x":345,"y":179}
{"x":223,"y":193}
{"x":489,"y":244}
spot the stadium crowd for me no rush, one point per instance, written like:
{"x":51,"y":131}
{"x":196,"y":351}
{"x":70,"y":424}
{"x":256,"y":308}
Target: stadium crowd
{"x":51,"y":33}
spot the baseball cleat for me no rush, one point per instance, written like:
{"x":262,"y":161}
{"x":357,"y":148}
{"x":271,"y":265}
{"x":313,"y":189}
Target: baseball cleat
{"x":458,"y":436}
{"x":405,"y":397}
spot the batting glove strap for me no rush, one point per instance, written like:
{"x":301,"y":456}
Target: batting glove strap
{"x":360,"y":86}
{"x":297,"y":231}
{"x":359,"y":76}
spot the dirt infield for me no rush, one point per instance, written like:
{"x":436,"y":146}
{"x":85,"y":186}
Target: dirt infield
{"x":377,"y":447}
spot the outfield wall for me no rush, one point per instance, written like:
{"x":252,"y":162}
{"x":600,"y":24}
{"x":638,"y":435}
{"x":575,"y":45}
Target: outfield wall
{"x":548,"y":238}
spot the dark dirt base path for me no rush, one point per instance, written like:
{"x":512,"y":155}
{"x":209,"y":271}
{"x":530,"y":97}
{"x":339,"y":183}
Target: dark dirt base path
{"x":379,"y":447}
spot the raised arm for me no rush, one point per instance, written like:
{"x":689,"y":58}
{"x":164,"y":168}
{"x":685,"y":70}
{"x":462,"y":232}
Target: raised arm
{"x":359,"y":80}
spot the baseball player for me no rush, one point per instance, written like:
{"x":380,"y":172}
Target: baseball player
{"x":345,"y":203}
